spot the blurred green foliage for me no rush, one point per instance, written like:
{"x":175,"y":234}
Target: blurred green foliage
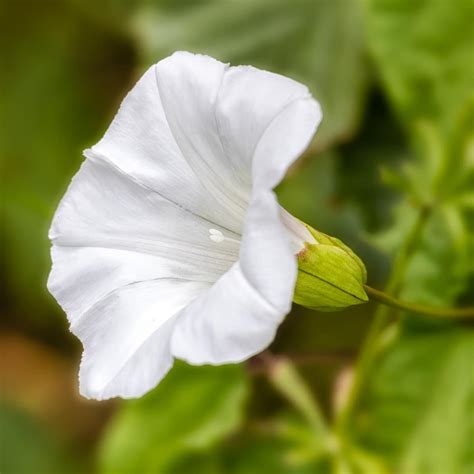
{"x":395,"y":151}
{"x":276,"y":35}
{"x":54,"y":101}
{"x":417,"y":411}
{"x":176,"y":418}
{"x":27,"y":447}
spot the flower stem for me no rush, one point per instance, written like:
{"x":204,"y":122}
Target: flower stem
{"x":436,"y":311}
{"x":371,"y":343}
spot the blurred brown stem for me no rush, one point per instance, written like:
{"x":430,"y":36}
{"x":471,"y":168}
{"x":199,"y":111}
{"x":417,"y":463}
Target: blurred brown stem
{"x":260,"y":363}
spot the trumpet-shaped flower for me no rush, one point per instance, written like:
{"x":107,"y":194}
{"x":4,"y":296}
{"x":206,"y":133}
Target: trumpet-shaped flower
{"x":170,"y":242}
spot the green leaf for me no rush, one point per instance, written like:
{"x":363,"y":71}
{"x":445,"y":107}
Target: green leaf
{"x":282,"y":445}
{"x":271,"y":455}
{"x":416,"y":410}
{"x":287,"y":380}
{"x":423,"y":50}
{"x":318,"y":43}
{"x":190,"y":410}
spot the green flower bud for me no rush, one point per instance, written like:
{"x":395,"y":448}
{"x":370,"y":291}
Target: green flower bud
{"x":330,"y":275}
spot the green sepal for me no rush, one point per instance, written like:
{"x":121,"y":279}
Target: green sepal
{"x":330,"y":275}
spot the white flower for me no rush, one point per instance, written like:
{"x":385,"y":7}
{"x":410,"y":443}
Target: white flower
{"x":169,"y":242}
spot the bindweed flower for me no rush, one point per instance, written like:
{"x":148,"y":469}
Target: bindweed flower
{"x":170,"y":242}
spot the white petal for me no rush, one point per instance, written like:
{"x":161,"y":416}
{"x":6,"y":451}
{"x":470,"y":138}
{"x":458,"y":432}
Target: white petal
{"x":239,"y":316}
{"x":81,"y":276}
{"x":249,"y":101}
{"x":299,"y":233}
{"x":189,"y":130}
{"x":105,"y":208}
{"x":189,"y":86}
{"x":164,"y":136}
{"x":163,"y":197}
{"x":229,"y":323}
{"x":284,"y":140}
{"x":267,"y":244}
{"x":126,"y":337}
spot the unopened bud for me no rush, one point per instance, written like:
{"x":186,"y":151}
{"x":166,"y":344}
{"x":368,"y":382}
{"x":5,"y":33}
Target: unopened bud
{"x":330,"y":275}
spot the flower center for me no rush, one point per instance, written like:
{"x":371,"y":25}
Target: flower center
{"x":218,"y":237}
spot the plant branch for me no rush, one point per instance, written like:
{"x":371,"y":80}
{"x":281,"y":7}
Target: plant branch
{"x":371,"y":343}
{"x":427,"y":310}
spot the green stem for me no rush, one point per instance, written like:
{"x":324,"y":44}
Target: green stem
{"x":371,"y":343}
{"x":407,"y":250}
{"x":436,"y":311}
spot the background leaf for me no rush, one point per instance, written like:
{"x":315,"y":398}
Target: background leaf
{"x":423,"y":51}
{"x":283,"y":445}
{"x":27,"y":447}
{"x":318,"y":43}
{"x":422,"y":386}
{"x":422,"y":389}
{"x":191,"y":409}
